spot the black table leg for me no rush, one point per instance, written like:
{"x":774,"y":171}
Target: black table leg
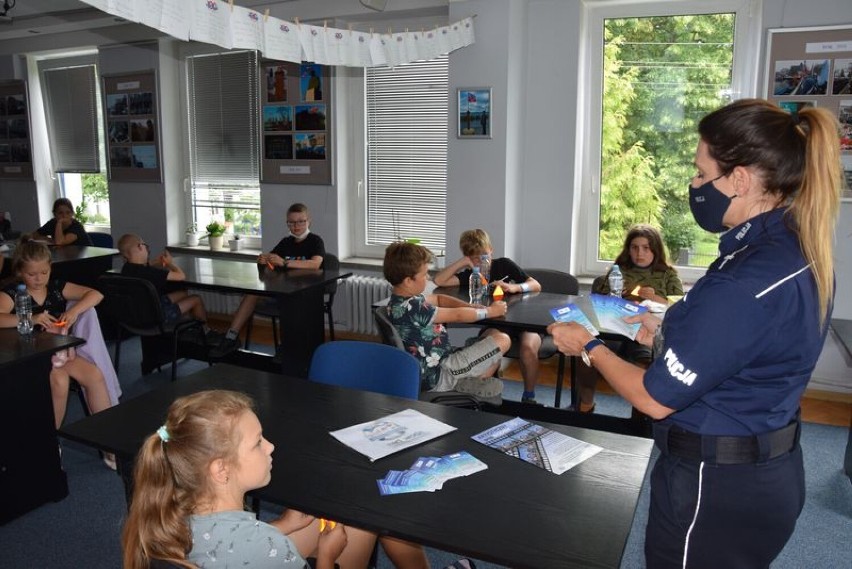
{"x":302,"y":327}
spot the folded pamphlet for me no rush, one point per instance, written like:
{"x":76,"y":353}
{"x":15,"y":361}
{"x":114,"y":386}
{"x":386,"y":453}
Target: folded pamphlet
{"x":572,"y":313}
{"x":611,"y":311}
{"x":428,"y":473}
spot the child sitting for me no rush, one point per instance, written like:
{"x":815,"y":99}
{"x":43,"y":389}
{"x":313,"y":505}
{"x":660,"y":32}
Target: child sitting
{"x":512,"y":279}
{"x":190,"y":481}
{"x":420,"y":321}
{"x":176,"y":303}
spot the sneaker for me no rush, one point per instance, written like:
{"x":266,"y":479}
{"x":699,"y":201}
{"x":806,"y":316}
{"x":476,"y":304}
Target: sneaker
{"x":213,"y":337}
{"x":577,"y":409}
{"x":463,"y":563}
{"x":225,"y":347}
{"x":109,"y":460}
{"x":529,"y":401}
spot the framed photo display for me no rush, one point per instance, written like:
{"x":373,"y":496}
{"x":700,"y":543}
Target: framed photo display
{"x":132,"y":127}
{"x":295,"y":123}
{"x":15,"y":141}
{"x":812,"y":67}
{"x":474,"y":112}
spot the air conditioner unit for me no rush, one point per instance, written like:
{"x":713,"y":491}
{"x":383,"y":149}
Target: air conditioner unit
{"x":378,"y":5}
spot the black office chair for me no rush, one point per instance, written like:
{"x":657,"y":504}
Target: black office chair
{"x":134,"y":305}
{"x":557,"y":282}
{"x":101,"y":239}
{"x":269,"y":308}
{"x":387,"y":330}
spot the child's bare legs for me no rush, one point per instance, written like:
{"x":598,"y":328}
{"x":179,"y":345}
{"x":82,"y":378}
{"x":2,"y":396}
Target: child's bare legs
{"x":244,"y":312}
{"x":586,"y":386}
{"x":189,"y":304}
{"x":529,"y":347}
{"x":404,"y":554}
{"x":87,"y":375}
{"x":356,"y":555}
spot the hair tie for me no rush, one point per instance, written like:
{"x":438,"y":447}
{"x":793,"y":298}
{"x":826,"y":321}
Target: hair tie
{"x":164,"y":434}
{"x":796,"y":118}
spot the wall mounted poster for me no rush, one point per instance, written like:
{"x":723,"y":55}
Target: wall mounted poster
{"x":15,"y":147}
{"x":295,"y":123}
{"x":131,"y":120}
{"x":812,"y":67}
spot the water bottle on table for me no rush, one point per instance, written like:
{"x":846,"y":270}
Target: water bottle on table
{"x":616,"y":281}
{"x":485,"y":266}
{"x":24,"y":311}
{"x":475,"y":286}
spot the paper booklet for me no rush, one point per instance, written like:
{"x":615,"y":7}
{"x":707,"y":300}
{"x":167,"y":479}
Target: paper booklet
{"x":428,"y":473}
{"x":538,"y":445}
{"x":611,"y":310}
{"x":385,"y":436}
{"x":572,"y":313}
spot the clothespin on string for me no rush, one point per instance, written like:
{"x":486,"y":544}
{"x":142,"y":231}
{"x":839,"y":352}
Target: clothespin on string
{"x":231,"y":3}
{"x":266,"y":15}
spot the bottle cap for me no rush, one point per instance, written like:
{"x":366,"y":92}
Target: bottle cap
{"x":22,"y":287}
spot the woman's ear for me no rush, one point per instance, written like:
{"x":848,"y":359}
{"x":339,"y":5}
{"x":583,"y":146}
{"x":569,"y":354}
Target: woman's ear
{"x":743,"y":178}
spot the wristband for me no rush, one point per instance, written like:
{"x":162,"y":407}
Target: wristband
{"x":587,"y":357}
{"x":525,"y":287}
{"x":481,"y":313}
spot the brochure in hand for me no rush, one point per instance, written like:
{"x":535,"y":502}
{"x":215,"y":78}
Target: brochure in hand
{"x":428,"y":473}
{"x":538,"y":445}
{"x":572,"y":313}
{"x":385,"y":436}
{"x":611,"y":311}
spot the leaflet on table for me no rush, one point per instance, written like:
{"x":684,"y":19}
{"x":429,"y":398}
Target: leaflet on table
{"x":611,"y":311}
{"x":385,"y":436}
{"x":428,"y":473}
{"x":572,"y":313}
{"x":538,"y":445}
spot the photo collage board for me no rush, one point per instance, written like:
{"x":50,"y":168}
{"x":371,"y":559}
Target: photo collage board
{"x":15,"y":143}
{"x":295,"y":123}
{"x":132,"y":133}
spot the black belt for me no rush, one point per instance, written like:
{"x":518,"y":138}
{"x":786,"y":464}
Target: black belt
{"x":726,"y":449}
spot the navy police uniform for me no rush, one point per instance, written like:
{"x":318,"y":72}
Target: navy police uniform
{"x":736,"y":356}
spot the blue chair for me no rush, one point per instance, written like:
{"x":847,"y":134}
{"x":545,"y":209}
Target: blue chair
{"x":101,"y":239}
{"x":367,"y":366}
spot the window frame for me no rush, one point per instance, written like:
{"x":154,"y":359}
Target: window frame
{"x":747,"y":38}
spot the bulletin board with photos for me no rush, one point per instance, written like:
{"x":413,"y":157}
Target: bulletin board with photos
{"x":812,"y":67}
{"x":295,"y":123}
{"x":15,"y":141}
{"x":132,"y":127}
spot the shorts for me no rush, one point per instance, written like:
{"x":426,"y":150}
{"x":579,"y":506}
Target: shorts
{"x":171,"y":311}
{"x":463,"y":369}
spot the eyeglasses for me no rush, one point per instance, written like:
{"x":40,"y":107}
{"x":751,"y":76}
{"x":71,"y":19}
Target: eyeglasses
{"x":297,"y":222}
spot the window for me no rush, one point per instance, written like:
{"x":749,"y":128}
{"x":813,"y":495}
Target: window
{"x":70,"y":91}
{"x":659,"y":74}
{"x":406,"y":162}
{"x":222,"y":103}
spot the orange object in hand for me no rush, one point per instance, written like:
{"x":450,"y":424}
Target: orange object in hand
{"x":60,"y":324}
{"x":324,"y":523}
{"x":498,"y":293}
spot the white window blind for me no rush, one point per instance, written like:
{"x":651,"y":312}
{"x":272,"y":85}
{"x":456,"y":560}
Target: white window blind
{"x":222,"y":93}
{"x":407,"y":110}
{"x":71,"y":107}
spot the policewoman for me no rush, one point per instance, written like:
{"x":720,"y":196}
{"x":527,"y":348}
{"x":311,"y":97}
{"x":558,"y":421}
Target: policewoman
{"x":735,"y":355}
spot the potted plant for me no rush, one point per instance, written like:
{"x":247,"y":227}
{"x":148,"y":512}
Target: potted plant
{"x":192,"y":235}
{"x":215,"y":232}
{"x":234,"y":243}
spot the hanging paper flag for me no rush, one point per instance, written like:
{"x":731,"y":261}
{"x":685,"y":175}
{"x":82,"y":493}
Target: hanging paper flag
{"x":281,"y":41}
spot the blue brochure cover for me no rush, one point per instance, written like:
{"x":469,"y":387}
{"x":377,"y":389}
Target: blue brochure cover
{"x":572,"y":313}
{"x":611,"y":311}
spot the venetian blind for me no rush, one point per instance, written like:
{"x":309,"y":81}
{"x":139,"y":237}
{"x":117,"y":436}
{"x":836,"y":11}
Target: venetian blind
{"x":407,"y":109}
{"x":70,"y":101}
{"x":222,"y":91}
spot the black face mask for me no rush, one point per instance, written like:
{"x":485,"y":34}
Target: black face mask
{"x":708,"y":206}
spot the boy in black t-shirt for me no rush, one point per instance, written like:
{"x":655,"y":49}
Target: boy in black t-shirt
{"x":175,"y":303}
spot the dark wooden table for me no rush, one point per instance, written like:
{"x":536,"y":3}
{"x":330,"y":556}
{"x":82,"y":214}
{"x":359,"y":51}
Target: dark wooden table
{"x":843,"y":330}
{"x":79,"y":264}
{"x":513,"y":513}
{"x":299,"y":294}
{"x":30,"y":471}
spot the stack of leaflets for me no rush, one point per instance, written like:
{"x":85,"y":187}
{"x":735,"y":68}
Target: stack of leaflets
{"x":538,"y":445}
{"x":428,"y":473}
{"x":611,"y":311}
{"x":572,"y":313}
{"x":385,"y":436}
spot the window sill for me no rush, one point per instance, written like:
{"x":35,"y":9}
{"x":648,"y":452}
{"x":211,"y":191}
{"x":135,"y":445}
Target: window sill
{"x":205,"y":251}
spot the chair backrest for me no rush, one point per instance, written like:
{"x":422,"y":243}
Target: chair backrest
{"x":133,"y":303}
{"x":554,"y":281}
{"x":101,"y":239}
{"x":332,"y":263}
{"x":598,"y":283}
{"x":367,"y":366}
{"x":390,"y":335}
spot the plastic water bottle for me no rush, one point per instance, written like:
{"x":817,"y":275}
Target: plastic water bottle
{"x":485,"y":266}
{"x":24,"y":311}
{"x":616,"y":281}
{"x":475,"y":288}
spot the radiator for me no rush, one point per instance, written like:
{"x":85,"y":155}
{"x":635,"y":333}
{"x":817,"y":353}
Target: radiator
{"x":355,"y":298}
{"x":219,"y":303}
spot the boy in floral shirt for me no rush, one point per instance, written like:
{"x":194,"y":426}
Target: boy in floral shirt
{"x":420,"y":320}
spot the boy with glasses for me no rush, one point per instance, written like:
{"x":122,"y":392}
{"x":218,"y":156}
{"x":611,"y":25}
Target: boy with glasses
{"x":300,"y":249}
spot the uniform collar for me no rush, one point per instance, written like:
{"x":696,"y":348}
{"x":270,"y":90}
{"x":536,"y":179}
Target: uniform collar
{"x":748,"y":231}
